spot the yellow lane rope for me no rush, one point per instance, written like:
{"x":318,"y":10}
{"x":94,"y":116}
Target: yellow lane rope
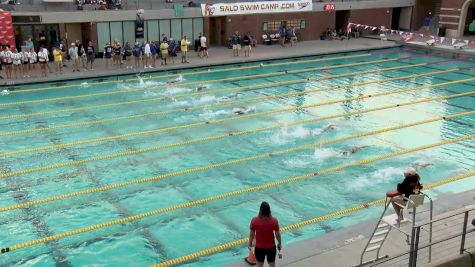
{"x":196,"y":73}
{"x":203,"y":168}
{"x":227,"y":195}
{"x":224,"y":103}
{"x":244,"y":88}
{"x":298,"y":225}
{"x":188,"y":126}
{"x":54,"y":99}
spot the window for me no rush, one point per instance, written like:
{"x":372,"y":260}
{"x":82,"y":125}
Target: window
{"x":273,"y":26}
{"x":265,"y":26}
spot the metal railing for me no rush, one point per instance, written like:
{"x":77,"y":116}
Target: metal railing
{"x":452,"y":234}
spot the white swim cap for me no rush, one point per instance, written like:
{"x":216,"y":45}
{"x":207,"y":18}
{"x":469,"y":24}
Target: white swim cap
{"x":409,"y":171}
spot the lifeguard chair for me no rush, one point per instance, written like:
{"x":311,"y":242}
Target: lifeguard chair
{"x":388,"y":222}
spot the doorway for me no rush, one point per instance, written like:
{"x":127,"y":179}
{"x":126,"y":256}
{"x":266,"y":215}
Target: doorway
{"x":341,"y":20}
{"x":217,"y":28}
{"x":395,"y":18}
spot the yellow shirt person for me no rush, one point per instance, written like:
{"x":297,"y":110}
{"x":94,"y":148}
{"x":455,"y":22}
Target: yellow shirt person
{"x":58,"y":55}
{"x":184,"y":45}
{"x":164,"y":49}
{"x":58,"y":59}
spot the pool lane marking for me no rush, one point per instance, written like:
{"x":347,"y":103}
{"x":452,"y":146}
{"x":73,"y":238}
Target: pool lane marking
{"x":203,"y":201}
{"x":216,"y":165}
{"x":216,"y":121}
{"x":198,"y":72}
{"x":217,"y":137}
{"x":295,"y":226}
{"x":244,"y":88}
{"x":195,"y":82}
{"x":225,"y":103}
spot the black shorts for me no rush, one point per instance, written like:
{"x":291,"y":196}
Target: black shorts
{"x":262,"y":253}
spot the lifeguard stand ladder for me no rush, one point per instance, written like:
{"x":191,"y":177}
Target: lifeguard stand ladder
{"x":386,"y":223}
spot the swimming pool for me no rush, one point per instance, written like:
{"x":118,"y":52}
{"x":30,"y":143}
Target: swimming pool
{"x":147,"y":169}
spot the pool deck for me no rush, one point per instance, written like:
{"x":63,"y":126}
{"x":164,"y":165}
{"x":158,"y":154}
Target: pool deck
{"x":343,"y":247}
{"x":217,"y":56}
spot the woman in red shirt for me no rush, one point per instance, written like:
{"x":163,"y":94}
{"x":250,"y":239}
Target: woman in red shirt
{"x":263,"y":228}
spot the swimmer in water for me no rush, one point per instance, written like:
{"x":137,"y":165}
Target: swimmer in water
{"x":328,"y":128}
{"x":422,"y":165}
{"x":352,"y":150}
{"x":224,"y":98}
{"x":242,"y":110}
{"x":199,"y":88}
{"x":177,"y":79}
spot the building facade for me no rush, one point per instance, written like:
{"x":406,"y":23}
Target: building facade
{"x":63,"y":21}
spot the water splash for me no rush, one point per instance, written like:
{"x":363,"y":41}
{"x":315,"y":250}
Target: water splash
{"x":210,"y":114}
{"x":85,"y":85}
{"x":321,"y":154}
{"x":299,"y":161}
{"x":5,"y":92}
{"x":288,"y":135}
{"x":205,"y":99}
{"x":380,"y":176}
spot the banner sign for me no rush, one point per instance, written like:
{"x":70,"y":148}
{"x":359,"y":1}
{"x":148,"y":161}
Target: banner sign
{"x":6,"y":29}
{"x":139,"y":24}
{"x":221,"y":9}
{"x":329,"y":7}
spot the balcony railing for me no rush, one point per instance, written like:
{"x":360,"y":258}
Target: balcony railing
{"x":41,"y":6}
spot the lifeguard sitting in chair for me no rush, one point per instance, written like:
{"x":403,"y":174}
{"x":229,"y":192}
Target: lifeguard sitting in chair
{"x":401,"y":198}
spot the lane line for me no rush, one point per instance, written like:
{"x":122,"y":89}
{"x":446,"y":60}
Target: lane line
{"x":216,"y":121}
{"x":200,"y":169}
{"x":203,"y":201}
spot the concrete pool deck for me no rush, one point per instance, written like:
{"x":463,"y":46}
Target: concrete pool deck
{"x":217,"y":56}
{"x":343,"y":247}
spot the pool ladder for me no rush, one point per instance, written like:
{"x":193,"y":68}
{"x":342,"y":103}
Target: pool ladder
{"x":386,"y":223}
{"x":376,"y":241}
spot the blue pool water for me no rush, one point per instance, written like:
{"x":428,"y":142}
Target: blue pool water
{"x":55,"y":139}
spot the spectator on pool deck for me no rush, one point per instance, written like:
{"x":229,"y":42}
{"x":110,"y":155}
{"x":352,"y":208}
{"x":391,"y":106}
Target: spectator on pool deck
{"x":247,"y":42}
{"x":203,"y":46}
{"x":117,"y":50}
{"x":43,"y":60}
{"x":73,"y":53}
{"x":184,"y":43}
{"x":107,"y":54}
{"x":164,"y":38}
{"x":236,"y":43}
{"x":90,"y":55}
{"x":427,"y":22}
{"x":127,"y":54}
{"x":341,"y":34}
{"x":410,"y":185}
{"x":164,"y":52}
{"x":172,"y":50}
{"x":265,"y":229}
{"x":147,"y":55}
{"x":58,"y":59}
{"x":154,"y":51}
{"x":137,"y":53}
